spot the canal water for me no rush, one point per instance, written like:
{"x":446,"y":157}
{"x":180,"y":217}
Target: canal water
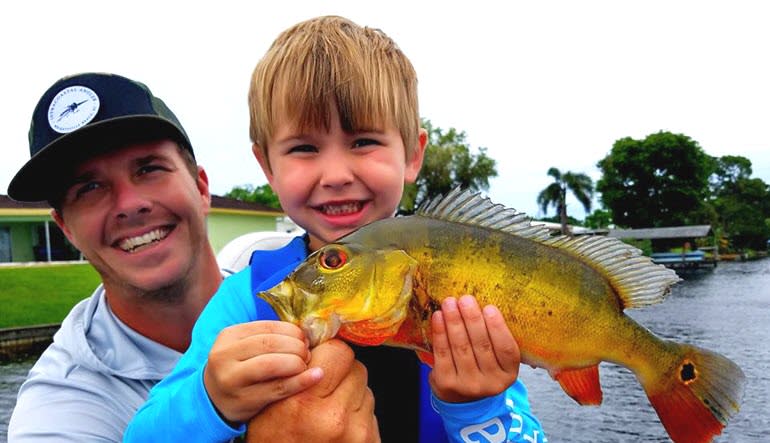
{"x":725,"y":310}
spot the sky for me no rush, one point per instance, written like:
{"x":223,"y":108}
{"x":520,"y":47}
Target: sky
{"x":539,"y":84}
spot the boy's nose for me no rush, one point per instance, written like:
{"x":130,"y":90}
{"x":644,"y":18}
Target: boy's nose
{"x":336,"y":173}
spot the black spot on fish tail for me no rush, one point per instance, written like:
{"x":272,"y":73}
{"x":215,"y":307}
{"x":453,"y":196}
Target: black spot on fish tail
{"x":687,"y":372}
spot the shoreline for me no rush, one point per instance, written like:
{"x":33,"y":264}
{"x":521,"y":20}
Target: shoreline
{"x":24,"y":342}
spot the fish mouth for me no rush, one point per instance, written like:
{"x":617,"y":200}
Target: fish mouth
{"x":319,"y":330}
{"x":289,"y":301}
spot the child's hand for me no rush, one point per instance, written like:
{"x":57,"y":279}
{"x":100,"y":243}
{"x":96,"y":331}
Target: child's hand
{"x":254,"y":364}
{"x":475,"y":353}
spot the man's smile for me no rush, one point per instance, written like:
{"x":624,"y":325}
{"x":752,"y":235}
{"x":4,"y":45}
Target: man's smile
{"x":133,"y":244}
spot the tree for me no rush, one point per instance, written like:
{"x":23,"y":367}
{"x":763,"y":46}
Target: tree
{"x":448,"y":164}
{"x":599,"y":219}
{"x":743,"y":213}
{"x":555,"y":194}
{"x":261,"y":194}
{"x":728,"y":170}
{"x":659,"y":181}
{"x":740,"y":205}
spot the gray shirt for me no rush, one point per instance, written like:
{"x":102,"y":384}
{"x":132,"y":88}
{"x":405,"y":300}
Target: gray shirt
{"x":90,"y":381}
{"x":88,"y":384}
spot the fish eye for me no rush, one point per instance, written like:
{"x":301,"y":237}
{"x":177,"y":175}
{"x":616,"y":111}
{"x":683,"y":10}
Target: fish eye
{"x":333,"y":258}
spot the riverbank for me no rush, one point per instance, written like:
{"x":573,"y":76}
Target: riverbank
{"x":25,"y":342}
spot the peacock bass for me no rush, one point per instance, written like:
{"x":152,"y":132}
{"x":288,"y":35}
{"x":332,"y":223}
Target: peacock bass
{"x":562,"y":297}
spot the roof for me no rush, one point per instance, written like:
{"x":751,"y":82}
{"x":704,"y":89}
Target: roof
{"x":217,"y":202}
{"x":551,"y":226}
{"x":231,"y":203}
{"x":694,"y":231}
{"x":9,"y":203}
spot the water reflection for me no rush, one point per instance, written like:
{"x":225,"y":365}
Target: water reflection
{"x":11,"y":377}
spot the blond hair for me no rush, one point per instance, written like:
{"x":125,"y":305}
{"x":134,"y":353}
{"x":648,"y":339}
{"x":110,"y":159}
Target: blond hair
{"x":331,"y":61}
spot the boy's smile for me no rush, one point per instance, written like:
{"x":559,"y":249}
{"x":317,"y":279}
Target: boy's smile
{"x":333,"y":182}
{"x":341,"y":208}
{"x":343,"y":213}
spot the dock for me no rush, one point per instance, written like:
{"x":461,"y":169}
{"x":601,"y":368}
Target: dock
{"x":664,"y":239}
{"x":687,"y":260}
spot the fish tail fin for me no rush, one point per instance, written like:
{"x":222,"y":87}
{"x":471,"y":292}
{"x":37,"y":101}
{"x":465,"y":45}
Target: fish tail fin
{"x":698,"y":394}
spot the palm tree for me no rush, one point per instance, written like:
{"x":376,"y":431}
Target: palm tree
{"x":581,"y":186}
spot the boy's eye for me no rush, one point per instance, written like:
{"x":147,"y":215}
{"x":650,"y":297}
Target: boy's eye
{"x":302,"y":148}
{"x":361,"y":142}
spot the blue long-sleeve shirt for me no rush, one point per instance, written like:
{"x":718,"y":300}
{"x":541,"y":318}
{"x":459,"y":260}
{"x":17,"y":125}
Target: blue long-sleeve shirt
{"x":179,"y":409}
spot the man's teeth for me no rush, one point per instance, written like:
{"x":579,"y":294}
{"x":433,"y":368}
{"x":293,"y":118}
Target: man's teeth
{"x":345,"y":208}
{"x":132,"y":243}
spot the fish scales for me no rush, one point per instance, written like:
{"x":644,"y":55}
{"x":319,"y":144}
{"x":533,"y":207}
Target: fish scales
{"x":563,"y":299}
{"x":538,"y":291}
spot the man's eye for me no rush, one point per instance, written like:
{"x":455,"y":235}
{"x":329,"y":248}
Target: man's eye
{"x":146,"y":169}
{"x":362,"y":142}
{"x":86,"y":188}
{"x":302,"y":149}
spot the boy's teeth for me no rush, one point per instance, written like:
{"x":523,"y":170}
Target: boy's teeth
{"x":132,"y":243}
{"x":345,"y":208}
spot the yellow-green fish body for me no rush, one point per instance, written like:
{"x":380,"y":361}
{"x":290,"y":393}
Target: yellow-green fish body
{"x":562,"y":297}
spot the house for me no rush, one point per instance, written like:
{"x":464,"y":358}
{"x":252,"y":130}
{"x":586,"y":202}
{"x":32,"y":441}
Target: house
{"x":28,"y":233}
{"x":675,"y":237}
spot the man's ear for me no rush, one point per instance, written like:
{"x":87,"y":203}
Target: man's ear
{"x":202,"y":182}
{"x":414,"y":162}
{"x":59,"y":220}
{"x":264,"y":163}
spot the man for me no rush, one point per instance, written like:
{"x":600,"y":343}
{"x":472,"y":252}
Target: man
{"x":119,"y":171}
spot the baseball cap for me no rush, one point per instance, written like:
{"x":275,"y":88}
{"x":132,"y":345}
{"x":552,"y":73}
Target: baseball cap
{"x":85,"y":115}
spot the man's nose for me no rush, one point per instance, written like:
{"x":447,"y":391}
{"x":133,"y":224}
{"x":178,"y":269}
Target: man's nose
{"x":129,"y":201}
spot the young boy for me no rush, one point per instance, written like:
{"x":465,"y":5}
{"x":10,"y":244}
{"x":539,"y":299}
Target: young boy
{"x":335,"y":127}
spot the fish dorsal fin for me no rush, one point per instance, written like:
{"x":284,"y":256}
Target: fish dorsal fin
{"x":635,"y":278}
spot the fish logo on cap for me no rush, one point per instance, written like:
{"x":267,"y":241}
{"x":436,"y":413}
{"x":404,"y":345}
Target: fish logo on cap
{"x":72,"y":108}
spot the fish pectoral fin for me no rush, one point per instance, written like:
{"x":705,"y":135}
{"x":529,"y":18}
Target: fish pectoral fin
{"x":581,"y":384}
{"x":426,"y":357}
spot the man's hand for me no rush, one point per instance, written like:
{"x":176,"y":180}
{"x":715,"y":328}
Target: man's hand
{"x":340,"y":408}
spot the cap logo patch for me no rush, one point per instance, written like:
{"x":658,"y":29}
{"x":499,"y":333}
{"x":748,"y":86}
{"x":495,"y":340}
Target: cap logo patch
{"x":72,"y":108}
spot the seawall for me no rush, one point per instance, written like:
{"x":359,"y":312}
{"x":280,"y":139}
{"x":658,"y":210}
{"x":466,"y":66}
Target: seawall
{"x":19,"y":343}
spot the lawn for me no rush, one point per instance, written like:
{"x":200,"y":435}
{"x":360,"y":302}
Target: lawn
{"x":43,"y":294}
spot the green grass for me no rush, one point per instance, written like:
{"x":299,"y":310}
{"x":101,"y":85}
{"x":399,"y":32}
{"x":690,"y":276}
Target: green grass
{"x":43,"y":294}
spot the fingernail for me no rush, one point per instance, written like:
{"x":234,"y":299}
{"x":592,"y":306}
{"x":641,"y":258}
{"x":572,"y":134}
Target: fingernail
{"x":490,"y":311}
{"x":466,"y":301}
{"x":316,"y":373}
